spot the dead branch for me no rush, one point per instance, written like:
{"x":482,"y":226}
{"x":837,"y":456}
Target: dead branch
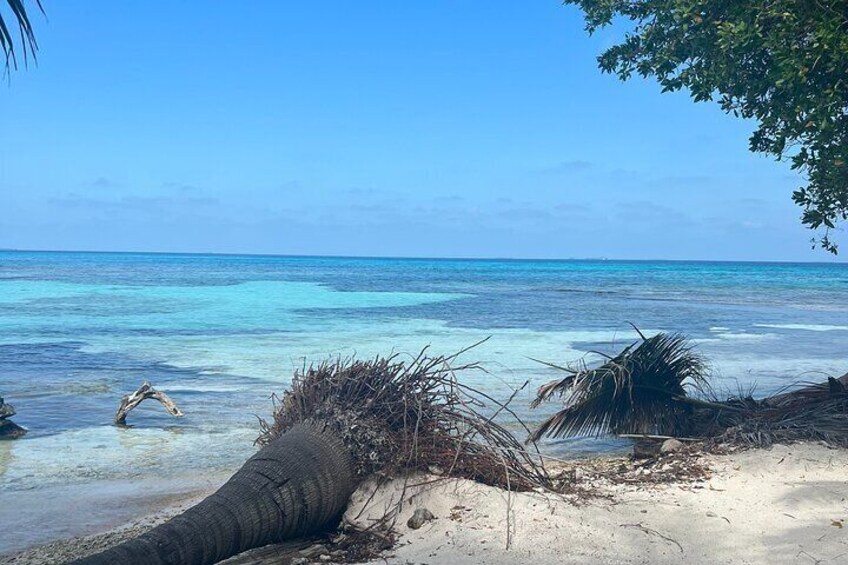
{"x":145,"y":391}
{"x":652,"y":532}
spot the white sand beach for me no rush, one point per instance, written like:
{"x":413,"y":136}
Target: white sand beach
{"x":783,"y":505}
{"x":787,"y":504}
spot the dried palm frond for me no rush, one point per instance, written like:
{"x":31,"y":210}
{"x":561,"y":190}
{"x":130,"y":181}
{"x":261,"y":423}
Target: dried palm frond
{"x":646,"y":389}
{"x":399,"y":416}
{"x":816,"y":411}
{"x":642,"y":390}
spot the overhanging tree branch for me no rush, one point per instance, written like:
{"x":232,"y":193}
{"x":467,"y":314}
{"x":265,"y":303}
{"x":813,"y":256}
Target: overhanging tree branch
{"x":781,"y":63}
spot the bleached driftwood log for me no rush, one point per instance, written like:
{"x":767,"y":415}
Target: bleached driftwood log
{"x":145,"y":391}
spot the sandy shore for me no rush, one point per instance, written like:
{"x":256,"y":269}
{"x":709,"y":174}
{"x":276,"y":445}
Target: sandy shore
{"x":64,"y":550}
{"x":788,"y":504}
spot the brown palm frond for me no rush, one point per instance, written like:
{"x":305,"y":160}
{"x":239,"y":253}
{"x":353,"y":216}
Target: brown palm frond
{"x":641,"y":390}
{"x":815,"y":412}
{"x":648,"y":389}
{"x":561,"y":386}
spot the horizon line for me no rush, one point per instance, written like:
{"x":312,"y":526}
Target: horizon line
{"x":416,"y":258}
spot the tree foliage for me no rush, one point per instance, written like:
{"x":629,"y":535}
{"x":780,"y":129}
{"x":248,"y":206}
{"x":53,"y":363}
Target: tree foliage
{"x":28,"y":44}
{"x":783,"y":63}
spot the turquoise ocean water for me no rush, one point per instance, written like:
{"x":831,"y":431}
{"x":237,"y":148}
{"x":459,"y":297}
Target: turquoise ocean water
{"x":221,"y":333}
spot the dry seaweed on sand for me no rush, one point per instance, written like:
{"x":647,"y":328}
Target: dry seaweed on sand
{"x":586,"y":479}
{"x":660,"y":386}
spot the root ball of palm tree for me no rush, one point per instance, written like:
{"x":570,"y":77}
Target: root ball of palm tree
{"x":340,"y":422}
{"x":398,"y":416}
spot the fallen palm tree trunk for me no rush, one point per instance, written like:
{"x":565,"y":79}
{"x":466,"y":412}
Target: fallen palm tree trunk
{"x":292,"y":487}
{"x":659,"y":386}
{"x":341,"y":422}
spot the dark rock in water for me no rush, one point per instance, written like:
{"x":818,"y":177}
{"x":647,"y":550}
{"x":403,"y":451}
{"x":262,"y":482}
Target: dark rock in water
{"x":10,"y":430}
{"x":6,"y":410}
{"x":646,"y":449}
{"x":420,"y":517}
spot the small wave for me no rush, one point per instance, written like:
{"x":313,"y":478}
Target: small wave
{"x":587,"y":291}
{"x":742,"y":335}
{"x":202,"y":388}
{"x":719,"y":335}
{"x":807,"y":327}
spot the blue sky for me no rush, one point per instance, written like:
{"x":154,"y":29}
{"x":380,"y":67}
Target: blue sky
{"x":439,"y":128}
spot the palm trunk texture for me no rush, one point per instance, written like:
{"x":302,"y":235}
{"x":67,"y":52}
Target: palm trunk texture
{"x":296,"y":485}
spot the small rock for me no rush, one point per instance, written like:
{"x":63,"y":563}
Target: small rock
{"x":325,"y":558}
{"x":299,"y":561}
{"x":672,"y":446}
{"x":646,"y":449}
{"x":10,"y":430}
{"x":420,"y":517}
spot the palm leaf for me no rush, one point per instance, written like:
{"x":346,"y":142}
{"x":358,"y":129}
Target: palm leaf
{"x":641,"y":390}
{"x":28,"y":43}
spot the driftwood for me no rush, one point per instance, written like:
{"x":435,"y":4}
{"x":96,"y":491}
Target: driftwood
{"x":302,"y":550}
{"x":145,"y":391}
{"x":350,"y":545}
